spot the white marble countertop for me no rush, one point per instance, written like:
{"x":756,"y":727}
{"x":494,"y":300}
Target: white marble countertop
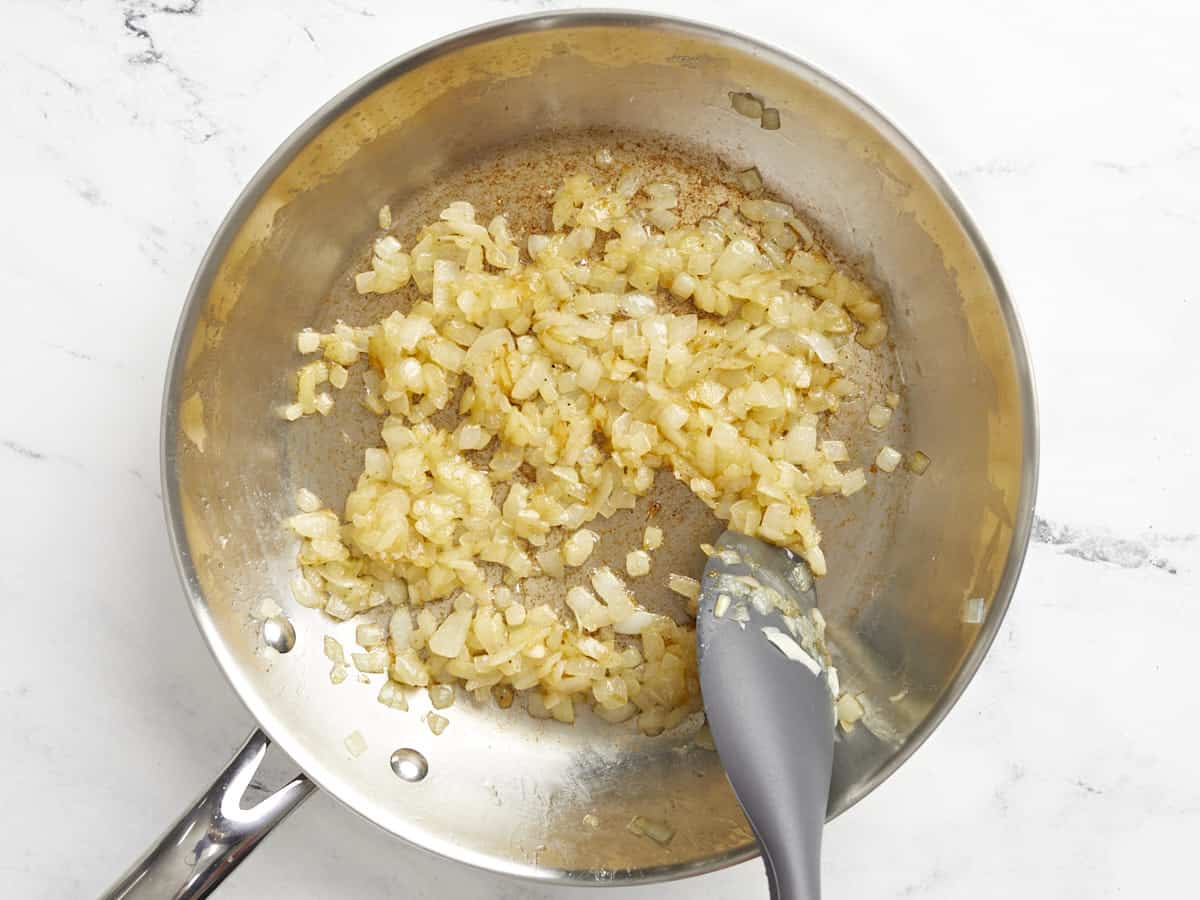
{"x":1072,"y":129}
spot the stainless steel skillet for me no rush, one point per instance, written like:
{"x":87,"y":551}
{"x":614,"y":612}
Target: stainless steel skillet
{"x":496,"y":112}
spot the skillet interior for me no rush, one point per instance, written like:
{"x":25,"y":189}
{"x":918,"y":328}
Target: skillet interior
{"x":496,"y":116}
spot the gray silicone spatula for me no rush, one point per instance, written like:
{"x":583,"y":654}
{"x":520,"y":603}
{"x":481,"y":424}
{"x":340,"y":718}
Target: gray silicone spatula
{"x":770,"y":715}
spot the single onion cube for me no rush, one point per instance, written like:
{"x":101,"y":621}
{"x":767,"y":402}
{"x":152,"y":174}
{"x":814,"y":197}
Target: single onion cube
{"x":659,"y":832}
{"x":392,"y":695}
{"x":472,"y":437}
{"x":653,"y":538}
{"x":849,"y":711}
{"x":451,"y":635}
{"x":683,"y":286}
{"x":370,"y":635}
{"x":551,"y":562}
{"x":684,"y":586}
{"x":853,"y":482}
{"x":746,"y":104}
{"x":637,"y":563}
{"x":587,"y":609}
{"x":975,"y":611}
{"x":636,"y":622}
{"x":879,"y":416}
{"x":918,"y":463}
{"x":608,"y":585}
{"x":673,"y":416}
{"x":333,"y":650}
{"x":356,"y":744}
{"x":579,"y":546}
{"x":308,"y":341}
{"x":835,"y":451}
{"x":374,"y":661}
{"x":887,"y":459}
{"x":307,"y":501}
{"x":441,"y":696}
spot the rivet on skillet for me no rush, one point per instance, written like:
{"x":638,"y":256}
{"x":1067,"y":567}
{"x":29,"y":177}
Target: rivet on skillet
{"x":278,"y":633}
{"x":409,"y":764}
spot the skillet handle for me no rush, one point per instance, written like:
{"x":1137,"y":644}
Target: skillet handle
{"x":214,"y":836}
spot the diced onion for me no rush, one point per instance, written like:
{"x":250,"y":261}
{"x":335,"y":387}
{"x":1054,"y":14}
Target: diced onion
{"x":749,"y":180}
{"x":636,"y":622}
{"x":834,"y":451}
{"x":637,"y":563}
{"x":581,"y":363}
{"x":849,"y":711}
{"x":789,"y":648}
{"x":609,"y":586}
{"x":333,"y":650}
{"x":918,"y":462}
{"x":887,"y":459}
{"x":578,"y":547}
{"x":853,"y":482}
{"x":652,"y":538}
{"x":659,"y":832}
{"x":307,"y":501}
{"x":308,"y":341}
{"x":746,"y":104}
{"x":975,"y":611}
{"x":451,"y":635}
{"x":374,"y":661}
{"x":684,"y":585}
{"x":370,"y":635}
{"x":874,"y":334}
{"x":441,"y":696}
{"x":356,"y":744}
{"x":551,"y":563}
{"x":392,"y":695}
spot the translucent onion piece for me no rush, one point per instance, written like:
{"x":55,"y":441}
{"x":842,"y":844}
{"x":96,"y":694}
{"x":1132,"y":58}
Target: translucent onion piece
{"x":746,"y":104}
{"x":356,"y":744}
{"x":918,"y":463}
{"x":879,"y":416}
{"x":887,"y":459}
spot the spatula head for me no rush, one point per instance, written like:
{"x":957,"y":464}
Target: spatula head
{"x":770,"y":713}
